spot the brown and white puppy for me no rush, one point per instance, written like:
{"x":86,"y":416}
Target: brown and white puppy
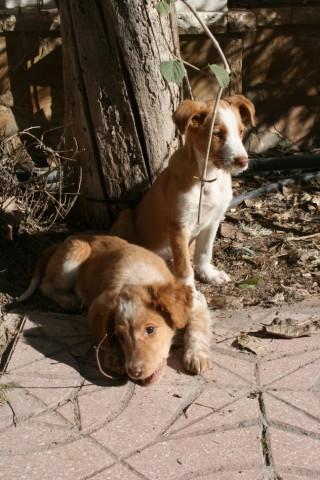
{"x":130,"y":294}
{"x":165,"y":220}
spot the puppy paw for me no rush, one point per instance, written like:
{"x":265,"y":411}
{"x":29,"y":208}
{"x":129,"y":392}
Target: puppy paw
{"x":208,"y":274}
{"x":197,"y":362}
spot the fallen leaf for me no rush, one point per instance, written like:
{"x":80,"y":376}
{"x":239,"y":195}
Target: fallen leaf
{"x":289,"y":328}
{"x":250,"y":282}
{"x":253,"y":202}
{"x":227,"y":230}
{"x":277,"y":298}
{"x":217,"y":301}
{"x":255,"y":345}
{"x":315,"y":200}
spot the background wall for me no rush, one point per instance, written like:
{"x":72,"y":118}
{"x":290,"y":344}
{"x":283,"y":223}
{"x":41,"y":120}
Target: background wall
{"x":273,"y":53}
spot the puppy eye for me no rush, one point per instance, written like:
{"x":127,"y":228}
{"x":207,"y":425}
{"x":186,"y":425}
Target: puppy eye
{"x":149,"y":330}
{"x":218,"y":134}
{"x":120,"y":336}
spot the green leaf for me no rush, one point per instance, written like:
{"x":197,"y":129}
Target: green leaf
{"x":172,"y":71}
{"x":251,"y":282}
{"x":164,"y":7}
{"x":221,"y":75}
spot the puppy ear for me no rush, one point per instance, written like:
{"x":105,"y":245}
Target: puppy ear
{"x":101,"y":316}
{"x":190,"y":113}
{"x":176,"y":300}
{"x":245,"y":106}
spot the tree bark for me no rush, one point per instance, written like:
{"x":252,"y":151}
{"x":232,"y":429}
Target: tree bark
{"x":118,"y":107}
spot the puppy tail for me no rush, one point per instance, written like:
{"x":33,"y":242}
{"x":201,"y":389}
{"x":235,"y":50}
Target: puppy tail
{"x":38,"y":272}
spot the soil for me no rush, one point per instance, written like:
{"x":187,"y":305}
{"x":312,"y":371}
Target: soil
{"x":269,"y":246}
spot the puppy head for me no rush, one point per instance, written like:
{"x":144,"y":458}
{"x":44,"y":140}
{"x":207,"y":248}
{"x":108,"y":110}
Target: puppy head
{"x":145,"y":321}
{"x":227,"y":150}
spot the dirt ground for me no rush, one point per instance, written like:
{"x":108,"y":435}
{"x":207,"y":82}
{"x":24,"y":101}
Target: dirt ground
{"x":269,"y":246}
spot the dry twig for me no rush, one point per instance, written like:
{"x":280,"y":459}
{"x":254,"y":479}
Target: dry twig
{"x":40,"y":195}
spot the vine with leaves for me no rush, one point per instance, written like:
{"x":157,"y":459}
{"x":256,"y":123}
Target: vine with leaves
{"x":174,"y":71}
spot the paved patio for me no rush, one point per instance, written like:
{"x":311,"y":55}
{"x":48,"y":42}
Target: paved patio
{"x":250,"y":417}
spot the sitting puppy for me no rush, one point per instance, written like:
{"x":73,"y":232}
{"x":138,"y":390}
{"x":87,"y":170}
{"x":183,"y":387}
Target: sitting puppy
{"x":131,"y":295}
{"x":167,"y":215}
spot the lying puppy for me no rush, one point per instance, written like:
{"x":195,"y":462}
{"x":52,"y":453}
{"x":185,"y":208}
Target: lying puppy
{"x":130,"y":294}
{"x":167,"y":214}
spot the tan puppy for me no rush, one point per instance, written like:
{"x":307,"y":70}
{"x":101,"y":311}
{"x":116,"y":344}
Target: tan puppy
{"x":131,"y":294}
{"x":165,"y":221}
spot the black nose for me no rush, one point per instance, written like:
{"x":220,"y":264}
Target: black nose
{"x":241,"y":161}
{"x":135,"y":372}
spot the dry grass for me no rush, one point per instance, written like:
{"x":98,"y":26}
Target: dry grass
{"x":36,"y":197}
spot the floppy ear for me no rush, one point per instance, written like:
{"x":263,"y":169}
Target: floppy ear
{"x":190,"y":113}
{"x":176,"y":300}
{"x":245,"y":106}
{"x":101,"y":316}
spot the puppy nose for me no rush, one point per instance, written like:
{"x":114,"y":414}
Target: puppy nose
{"x":241,"y":161}
{"x":135,"y":372}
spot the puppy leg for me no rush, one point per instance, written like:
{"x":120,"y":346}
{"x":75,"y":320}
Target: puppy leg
{"x":179,"y":240}
{"x":197,"y":337}
{"x":59,"y":280}
{"x":203,"y":254}
{"x":66,"y":300}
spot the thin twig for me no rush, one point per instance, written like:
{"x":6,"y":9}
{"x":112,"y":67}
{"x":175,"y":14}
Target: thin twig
{"x":97,"y":349}
{"x":215,"y":108}
{"x":197,"y":69}
{"x":40,"y":199}
{"x":206,"y":29}
{"x":205,"y":164}
{"x":305,"y":237}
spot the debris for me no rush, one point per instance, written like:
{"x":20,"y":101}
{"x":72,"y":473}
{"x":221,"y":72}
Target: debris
{"x":250,"y":282}
{"x":227,"y":230}
{"x":296,"y":294}
{"x":4,"y":388}
{"x":305,"y":237}
{"x":277,"y":298}
{"x":255,"y":345}
{"x":289,"y":328}
{"x":255,"y":229}
{"x":217,"y":301}
{"x":253,"y":202}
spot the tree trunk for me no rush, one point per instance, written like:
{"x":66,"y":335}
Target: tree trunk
{"x":118,"y":107}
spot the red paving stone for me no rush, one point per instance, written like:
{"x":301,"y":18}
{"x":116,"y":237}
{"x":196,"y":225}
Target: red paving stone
{"x":63,"y":421}
{"x":292,"y":450}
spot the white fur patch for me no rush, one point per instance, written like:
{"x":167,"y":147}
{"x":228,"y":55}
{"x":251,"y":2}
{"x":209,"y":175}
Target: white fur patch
{"x":70,"y":266}
{"x":233,"y":146}
{"x":215,"y":201}
{"x":31,"y":288}
{"x":126,"y":308}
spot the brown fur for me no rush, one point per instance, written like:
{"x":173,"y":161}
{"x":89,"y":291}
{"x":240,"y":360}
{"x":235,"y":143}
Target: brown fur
{"x":127,"y":290}
{"x":158,"y":219}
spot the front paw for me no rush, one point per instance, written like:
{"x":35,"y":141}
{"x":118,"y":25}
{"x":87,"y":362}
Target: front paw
{"x":208,"y":274}
{"x":197,"y":362}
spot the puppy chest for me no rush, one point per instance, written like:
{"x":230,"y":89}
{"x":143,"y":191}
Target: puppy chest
{"x":216,"y":198}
